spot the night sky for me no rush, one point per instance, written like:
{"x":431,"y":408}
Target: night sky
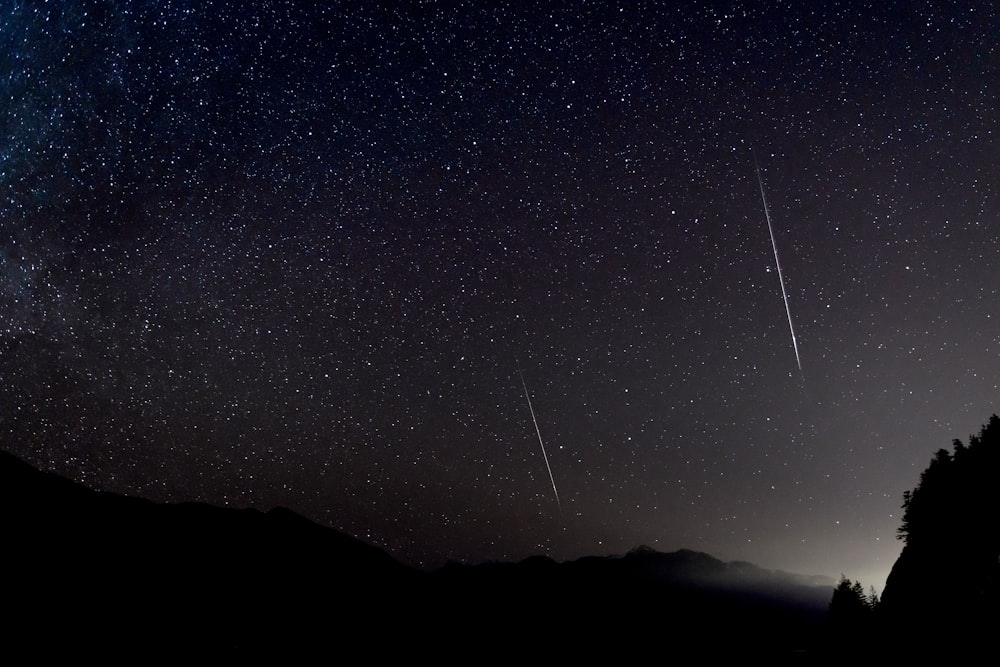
{"x":294,"y":253}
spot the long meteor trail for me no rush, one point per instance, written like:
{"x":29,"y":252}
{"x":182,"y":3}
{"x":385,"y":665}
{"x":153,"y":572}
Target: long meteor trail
{"x":777,"y":264}
{"x":540,"y":443}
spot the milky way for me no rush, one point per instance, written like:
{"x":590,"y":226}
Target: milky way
{"x":288,"y":254}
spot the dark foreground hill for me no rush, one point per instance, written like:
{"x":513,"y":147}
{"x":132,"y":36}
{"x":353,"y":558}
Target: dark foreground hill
{"x":88,"y":573}
{"x":945,"y":586}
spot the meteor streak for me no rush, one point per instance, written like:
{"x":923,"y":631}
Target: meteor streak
{"x":540,"y":443}
{"x":777,"y":264}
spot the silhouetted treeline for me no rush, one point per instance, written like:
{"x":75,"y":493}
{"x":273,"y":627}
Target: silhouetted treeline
{"x":942,"y":593}
{"x":851,"y":614}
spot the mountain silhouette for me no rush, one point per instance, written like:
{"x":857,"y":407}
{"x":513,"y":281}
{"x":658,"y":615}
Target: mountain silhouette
{"x":90,"y":573}
{"x":683,"y":602}
{"x":100,"y":569}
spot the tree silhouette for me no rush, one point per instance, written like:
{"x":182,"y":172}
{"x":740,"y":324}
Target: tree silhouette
{"x":948,"y":570}
{"x":955,"y":505}
{"x":850,"y":618}
{"x":849,"y":605}
{"x":873,"y":599}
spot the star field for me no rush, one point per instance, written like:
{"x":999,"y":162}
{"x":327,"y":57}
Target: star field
{"x":294,"y":254}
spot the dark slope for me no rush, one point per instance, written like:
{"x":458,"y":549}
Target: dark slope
{"x":946,"y":582}
{"x":96,"y":573}
{"x":85,"y":570}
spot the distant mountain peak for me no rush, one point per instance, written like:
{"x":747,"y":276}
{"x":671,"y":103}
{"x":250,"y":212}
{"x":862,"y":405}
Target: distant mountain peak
{"x":239,"y":580}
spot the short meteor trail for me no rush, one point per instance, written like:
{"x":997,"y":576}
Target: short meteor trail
{"x":540,"y":443}
{"x":777,"y":264}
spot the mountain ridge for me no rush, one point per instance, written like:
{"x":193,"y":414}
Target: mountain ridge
{"x":245,"y":580}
